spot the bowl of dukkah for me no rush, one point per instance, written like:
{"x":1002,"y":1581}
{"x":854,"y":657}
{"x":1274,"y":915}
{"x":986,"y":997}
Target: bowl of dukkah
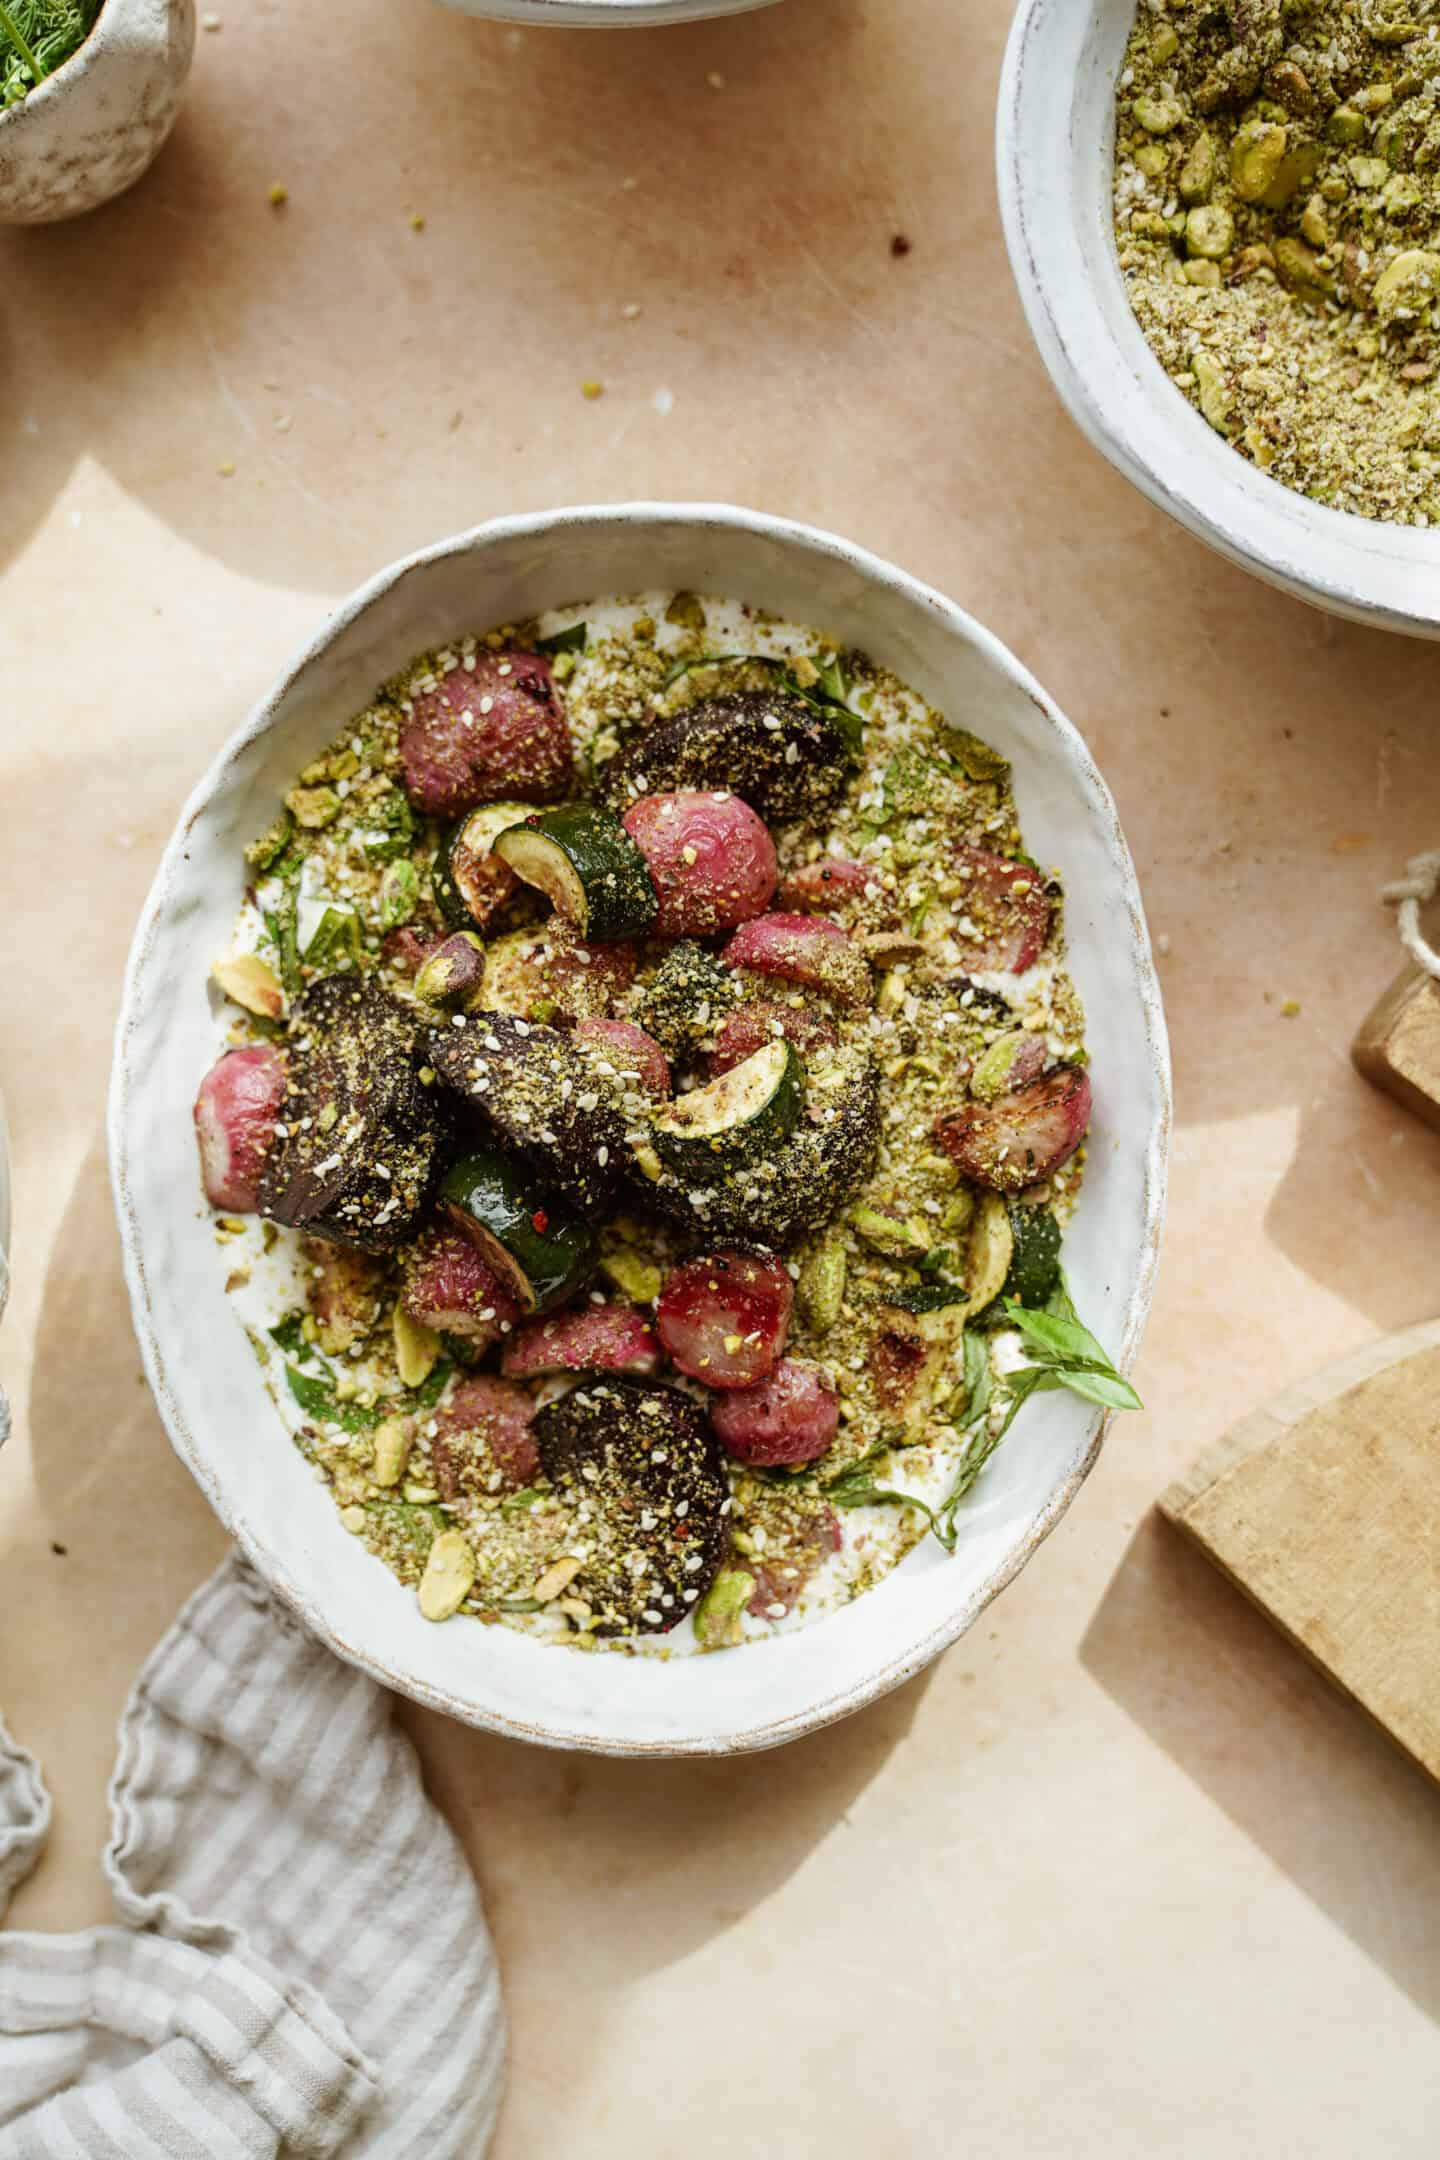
{"x":664,"y":1008}
{"x":1223,"y":221}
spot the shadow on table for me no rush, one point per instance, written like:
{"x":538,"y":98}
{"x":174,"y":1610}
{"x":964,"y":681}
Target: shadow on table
{"x":135,"y":1531}
{"x":1228,"y":1699}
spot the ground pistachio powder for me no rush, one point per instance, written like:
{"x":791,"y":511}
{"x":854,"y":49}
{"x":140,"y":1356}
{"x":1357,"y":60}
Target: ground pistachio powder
{"x":1277,"y":215}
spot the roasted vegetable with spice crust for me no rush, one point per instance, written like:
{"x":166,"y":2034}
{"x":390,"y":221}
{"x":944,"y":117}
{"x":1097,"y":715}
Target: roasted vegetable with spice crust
{"x":362,"y":1133}
{"x":784,"y":756}
{"x":542,"y":1095}
{"x":644,"y":1462}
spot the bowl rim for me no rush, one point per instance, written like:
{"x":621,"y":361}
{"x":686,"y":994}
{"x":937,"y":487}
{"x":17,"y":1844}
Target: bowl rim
{"x":893,"y":1669}
{"x":1334,"y":559}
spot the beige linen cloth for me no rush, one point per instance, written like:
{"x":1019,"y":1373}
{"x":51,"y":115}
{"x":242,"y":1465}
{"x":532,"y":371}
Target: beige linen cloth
{"x":301,"y":1965}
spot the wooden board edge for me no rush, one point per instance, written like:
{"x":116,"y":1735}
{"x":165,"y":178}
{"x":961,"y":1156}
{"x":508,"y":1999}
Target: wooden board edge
{"x":1256,"y":1431}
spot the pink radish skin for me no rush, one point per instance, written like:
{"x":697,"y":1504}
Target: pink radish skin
{"x":723,"y":1318}
{"x":1022,"y":1136}
{"x":235,"y":1113}
{"x":710,"y":859}
{"x":1007,"y":909}
{"x":593,"y":1338}
{"x":832,"y":882}
{"x":808,"y":949}
{"x":632,"y":1053}
{"x":750,"y":1027}
{"x":449,"y":1286}
{"x":497,"y":1414}
{"x":791,"y":1417}
{"x":487,"y":732}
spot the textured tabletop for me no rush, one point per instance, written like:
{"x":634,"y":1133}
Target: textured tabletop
{"x":1119,"y":1876}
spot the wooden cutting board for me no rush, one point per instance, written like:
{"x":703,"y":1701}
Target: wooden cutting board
{"x":1324,"y":1507}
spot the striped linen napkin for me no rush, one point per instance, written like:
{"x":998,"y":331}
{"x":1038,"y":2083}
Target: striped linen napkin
{"x":301,"y":1964}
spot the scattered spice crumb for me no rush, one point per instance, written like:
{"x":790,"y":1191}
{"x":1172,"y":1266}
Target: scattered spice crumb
{"x":715,"y":79}
{"x":210,"y":22}
{"x":1349,"y":842}
{"x":58,"y":1549}
{"x":1289,"y":1009}
{"x":630,"y":310}
{"x":592,"y":389}
{"x":630,"y":183}
{"x":455,"y":420}
{"x":417,"y":221}
{"x":226,"y":468}
{"x":282,"y":423}
{"x":1162,"y":943}
{"x":278,"y":194}
{"x":900,"y":244}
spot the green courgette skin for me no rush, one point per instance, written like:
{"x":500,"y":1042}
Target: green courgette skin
{"x":592,"y":853}
{"x":763,"y":1131}
{"x":1035,"y":1262}
{"x":549,"y":1264}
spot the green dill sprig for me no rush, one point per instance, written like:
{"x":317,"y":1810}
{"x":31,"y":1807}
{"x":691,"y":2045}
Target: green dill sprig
{"x":36,"y":37}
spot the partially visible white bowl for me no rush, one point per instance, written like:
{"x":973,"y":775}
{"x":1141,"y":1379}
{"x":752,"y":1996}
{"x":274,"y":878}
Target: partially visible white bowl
{"x":1055,"y":148}
{"x":92,"y":128}
{"x":209,"y":1388}
{"x":603,"y":14}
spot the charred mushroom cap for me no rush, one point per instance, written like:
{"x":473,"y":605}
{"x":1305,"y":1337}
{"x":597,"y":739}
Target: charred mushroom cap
{"x":780,"y":754}
{"x":362,"y":1134}
{"x":542,"y":1096}
{"x":804,"y":1181}
{"x":645,"y":1462}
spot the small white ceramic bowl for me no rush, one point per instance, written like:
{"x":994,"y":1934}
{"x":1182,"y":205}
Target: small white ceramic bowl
{"x":206,"y":1381}
{"x":92,"y":128}
{"x":1055,"y":148}
{"x":603,"y":14}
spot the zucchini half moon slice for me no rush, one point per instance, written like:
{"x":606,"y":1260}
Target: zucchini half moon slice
{"x":461,"y":892}
{"x":539,"y":1247}
{"x":743,"y":1115}
{"x":588,"y":867}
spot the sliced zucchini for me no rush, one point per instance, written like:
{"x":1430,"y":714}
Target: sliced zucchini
{"x":588,"y":867}
{"x":741,"y":1116}
{"x":539,"y":1247}
{"x":462,"y":893}
{"x":1035,"y":1262}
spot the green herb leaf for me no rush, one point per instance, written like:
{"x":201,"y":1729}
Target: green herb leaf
{"x":335,"y":937}
{"x":280,"y":922}
{"x":388,"y":826}
{"x":290,"y":1334}
{"x":574,"y":638}
{"x":520,"y":1503}
{"x":317,"y":1398}
{"x":432,"y":1387}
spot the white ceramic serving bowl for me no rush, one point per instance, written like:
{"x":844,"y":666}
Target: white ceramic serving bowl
{"x":92,"y":128}
{"x":206,"y":1381}
{"x":1055,"y":147}
{"x":603,"y":14}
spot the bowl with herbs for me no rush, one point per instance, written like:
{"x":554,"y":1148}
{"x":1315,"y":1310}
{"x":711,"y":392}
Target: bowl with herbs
{"x":89,"y":91}
{"x":639,"y":1127}
{"x":1223,"y":222}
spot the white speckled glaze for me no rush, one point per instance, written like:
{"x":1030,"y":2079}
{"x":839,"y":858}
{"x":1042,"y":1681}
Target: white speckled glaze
{"x":1055,"y":147}
{"x":94,"y":126}
{"x":207,"y":1383}
{"x":603,"y":14}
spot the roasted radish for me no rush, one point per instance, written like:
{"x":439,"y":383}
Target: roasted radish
{"x":1004,"y":912}
{"x":711,"y":861}
{"x":808,"y":949}
{"x":495,"y":729}
{"x":592,"y":1338}
{"x":235,"y":1113}
{"x":723,"y":1318}
{"x":790,"y":1417}
{"x":1022,"y":1136}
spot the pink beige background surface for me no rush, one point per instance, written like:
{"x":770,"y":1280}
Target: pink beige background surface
{"x":1119,"y":1877}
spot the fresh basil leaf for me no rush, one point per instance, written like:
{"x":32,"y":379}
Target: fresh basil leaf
{"x":979,"y":1376}
{"x":848,"y":1492}
{"x":317,"y":1398}
{"x":574,"y":638}
{"x":1100,"y":1387}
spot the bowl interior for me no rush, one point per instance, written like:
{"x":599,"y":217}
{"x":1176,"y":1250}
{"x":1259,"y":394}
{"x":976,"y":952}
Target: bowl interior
{"x":207,"y":1382}
{"x":1055,"y":148}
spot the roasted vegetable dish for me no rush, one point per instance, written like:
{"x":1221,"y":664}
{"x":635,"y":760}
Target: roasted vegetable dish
{"x":651,"y":1103}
